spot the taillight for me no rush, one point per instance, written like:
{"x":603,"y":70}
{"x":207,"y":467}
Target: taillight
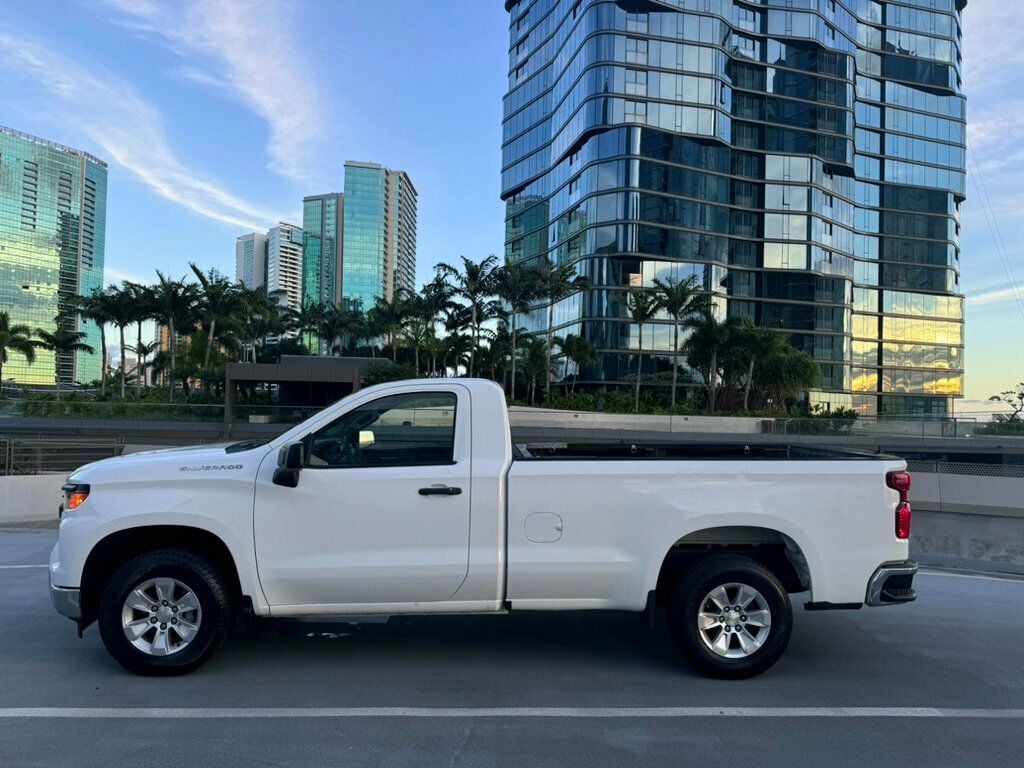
{"x":903,"y":520}
{"x":900,"y":482}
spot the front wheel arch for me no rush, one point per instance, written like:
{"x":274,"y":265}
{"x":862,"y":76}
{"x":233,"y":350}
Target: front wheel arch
{"x":113,"y":551}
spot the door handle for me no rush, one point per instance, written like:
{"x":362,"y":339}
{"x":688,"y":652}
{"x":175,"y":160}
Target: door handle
{"x":440,"y":490}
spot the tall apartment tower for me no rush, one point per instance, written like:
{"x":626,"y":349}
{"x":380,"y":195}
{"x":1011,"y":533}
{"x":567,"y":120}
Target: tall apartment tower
{"x":284,"y":264}
{"x":53,"y":210}
{"x":804,"y":161}
{"x":251,"y":260}
{"x":379,"y":244}
{"x":322,"y":226}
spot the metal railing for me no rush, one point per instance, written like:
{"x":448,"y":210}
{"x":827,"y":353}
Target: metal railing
{"x":867,"y":426}
{"x":965,"y":468}
{"x":42,"y":455}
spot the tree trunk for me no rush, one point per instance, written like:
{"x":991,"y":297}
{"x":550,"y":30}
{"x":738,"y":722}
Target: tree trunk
{"x":639,"y":367}
{"x":138,"y":361}
{"x":174,"y":358}
{"x":124,"y":368}
{"x":713,"y":380}
{"x":551,"y":333}
{"x":512,"y":386}
{"x":209,"y":344}
{"x":472,"y":348}
{"x":416,"y":352}
{"x":103,"y":360}
{"x":675,"y":362}
{"x":394,"y":348}
{"x":750,"y":378}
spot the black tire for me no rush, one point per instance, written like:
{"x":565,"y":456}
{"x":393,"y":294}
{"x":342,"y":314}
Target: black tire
{"x":685,"y":603}
{"x":205,"y":581}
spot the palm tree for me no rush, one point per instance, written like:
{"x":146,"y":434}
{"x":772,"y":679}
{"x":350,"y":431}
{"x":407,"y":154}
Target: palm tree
{"x":143,"y":307}
{"x":62,"y":342}
{"x":557,"y":283}
{"x":14,"y":338}
{"x":122,"y":309}
{"x":682,"y":300}
{"x":142,"y":350}
{"x":417,"y":334}
{"x":218,"y":300}
{"x":474,"y":283}
{"x":580,"y":352}
{"x":705,"y":346}
{"x":535,"y":358}
{"x":516,"y":286}
{"x":336,"y":326}
{"x":174,"y":301}
{"x":458,"y":348}
{"x":643,"y":306}
{"x":390,"y":317}
{"x":307,"y":318}
{"x":96,"y":307}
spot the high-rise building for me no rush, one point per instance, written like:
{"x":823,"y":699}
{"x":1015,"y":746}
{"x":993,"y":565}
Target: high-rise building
{"x":804,"y":161}
{"x":322,"y":224}
{"x":379,"y":245}
{"x":284,"y":264}
{"x":251,"y":260}
{"x":53,"y":209}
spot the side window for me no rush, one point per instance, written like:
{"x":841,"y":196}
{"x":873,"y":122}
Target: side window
{"x":408,"y":430}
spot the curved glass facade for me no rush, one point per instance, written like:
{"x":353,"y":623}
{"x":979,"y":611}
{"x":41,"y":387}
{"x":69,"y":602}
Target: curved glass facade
{"x":53,"y":210}
{"x":803,"y":158}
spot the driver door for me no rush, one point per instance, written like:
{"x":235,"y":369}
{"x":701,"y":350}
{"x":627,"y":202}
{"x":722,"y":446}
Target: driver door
{"x":381,"y":510}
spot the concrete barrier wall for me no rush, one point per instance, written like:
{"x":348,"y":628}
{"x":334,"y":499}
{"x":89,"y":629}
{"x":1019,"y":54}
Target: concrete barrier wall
{"x":973,"y":541}
{"x":534,"y":418}
{"x":30,"y":498}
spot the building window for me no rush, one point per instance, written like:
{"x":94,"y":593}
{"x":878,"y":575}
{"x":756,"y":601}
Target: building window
{"x":574,"y":185}
{"x":636,"y":22}
{"x":636,"y":111}
{"x":636,"y":82}
{"x":830,"y":33}
{"x":636,"y":50}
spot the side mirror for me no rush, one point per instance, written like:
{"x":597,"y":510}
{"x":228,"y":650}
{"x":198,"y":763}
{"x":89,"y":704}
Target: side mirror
{"x":289,"y":465}
{"x":366,"y":438}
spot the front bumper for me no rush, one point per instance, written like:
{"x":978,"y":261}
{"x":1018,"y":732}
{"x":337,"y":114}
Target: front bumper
{"x":892,"y":584}
{"x":67,"y":602}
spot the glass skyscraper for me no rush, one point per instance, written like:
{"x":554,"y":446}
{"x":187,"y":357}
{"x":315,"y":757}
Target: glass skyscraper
{"x":53,"y":207}
{"x":379,"y":244}
{"x":322,"y":224}
{"x":804,"y":159}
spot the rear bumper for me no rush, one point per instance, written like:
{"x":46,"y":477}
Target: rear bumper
{"x":892,"y":584}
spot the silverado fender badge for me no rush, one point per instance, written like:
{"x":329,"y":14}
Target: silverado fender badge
{"x":209,"y":467}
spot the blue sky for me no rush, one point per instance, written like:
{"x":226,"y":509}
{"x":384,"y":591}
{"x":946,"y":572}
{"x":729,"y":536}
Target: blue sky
{"x":217,"y":117}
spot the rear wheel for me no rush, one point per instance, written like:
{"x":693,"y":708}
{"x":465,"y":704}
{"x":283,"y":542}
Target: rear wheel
{"x":730,"y":617}
{"x":165,"y":612}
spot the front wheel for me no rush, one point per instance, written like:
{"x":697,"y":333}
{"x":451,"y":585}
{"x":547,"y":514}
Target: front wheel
{"x":165,"y":612}
{"x":730,"y":617}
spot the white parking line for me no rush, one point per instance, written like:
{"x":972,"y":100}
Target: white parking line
{"x":480,"y":712}
{"x":21,"y":567}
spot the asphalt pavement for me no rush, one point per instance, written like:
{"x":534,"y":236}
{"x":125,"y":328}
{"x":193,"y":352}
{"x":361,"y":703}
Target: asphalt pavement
{"x":939,"y":682}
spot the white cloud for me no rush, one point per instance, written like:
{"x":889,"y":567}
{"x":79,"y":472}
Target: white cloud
{"x":127,"y":128}
{"x":997,"y":295}
{"x":252,"y":52}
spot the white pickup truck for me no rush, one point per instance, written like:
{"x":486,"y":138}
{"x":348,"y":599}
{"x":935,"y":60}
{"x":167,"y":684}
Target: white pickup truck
{"x":411,"y":498}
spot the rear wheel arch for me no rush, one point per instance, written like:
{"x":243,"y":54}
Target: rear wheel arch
{"x":776,"y":551}
{"x":116,"y":549}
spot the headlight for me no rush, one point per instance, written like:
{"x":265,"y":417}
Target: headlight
{"x":75,"y":495}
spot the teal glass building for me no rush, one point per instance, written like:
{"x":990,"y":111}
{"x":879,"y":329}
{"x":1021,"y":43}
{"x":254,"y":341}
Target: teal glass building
{"x":379,"y":253}
{"x":53,"y":204}
{"x":804,"y":159}
{"x":322,"y":225}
